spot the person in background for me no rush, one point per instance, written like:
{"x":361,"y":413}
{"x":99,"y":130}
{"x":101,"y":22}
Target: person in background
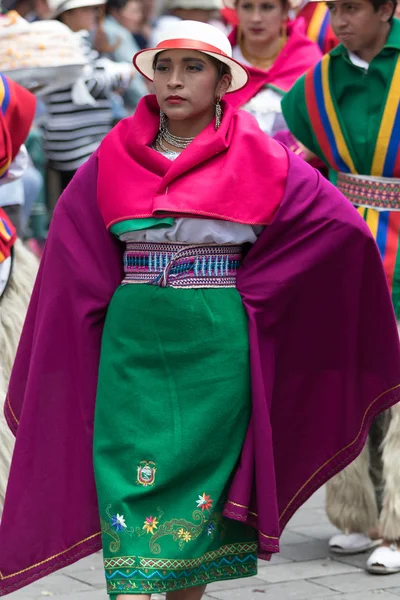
{"x":31,"y":10}
{"x":17,"y":110}
{"x":173,"y":11}
{"x":276,"y":54}
{"x":18,"y":266}
{"x":149,"y":9}
{"x":346,"y":111}
{"x":80,"y":115}
{"x":123,"y":19}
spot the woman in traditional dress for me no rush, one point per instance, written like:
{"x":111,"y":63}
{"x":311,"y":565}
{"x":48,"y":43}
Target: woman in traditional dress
{"x":275,"y":52}
{"x":210,"y":388}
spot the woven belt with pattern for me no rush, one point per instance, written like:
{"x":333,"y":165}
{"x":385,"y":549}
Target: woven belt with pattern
{"x":182,"y":265}
{"x":381,"y":193}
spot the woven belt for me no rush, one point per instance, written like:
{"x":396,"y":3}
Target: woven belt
{"x":376,"y":192}
{"x":182,"y":265}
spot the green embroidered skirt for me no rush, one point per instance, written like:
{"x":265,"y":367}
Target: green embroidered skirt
{"x":172,"y":409}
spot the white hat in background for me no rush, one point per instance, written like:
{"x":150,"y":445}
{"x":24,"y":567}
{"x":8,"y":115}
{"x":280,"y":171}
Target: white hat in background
{"x":193,"y":4}
{"x":194,"y":35}
{"x":57,"y":7}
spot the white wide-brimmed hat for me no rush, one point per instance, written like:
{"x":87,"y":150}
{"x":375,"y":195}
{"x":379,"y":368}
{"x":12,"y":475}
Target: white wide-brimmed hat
{"x":193,"y":4}
{"x":57,"y":7}
{"x":194,"y":35}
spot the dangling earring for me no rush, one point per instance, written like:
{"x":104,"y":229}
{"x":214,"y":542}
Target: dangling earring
{"x":218,"y":114}
{"x":163,"y":121}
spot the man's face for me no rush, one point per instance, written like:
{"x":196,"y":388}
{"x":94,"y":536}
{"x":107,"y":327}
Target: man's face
{"x":356,"y":23}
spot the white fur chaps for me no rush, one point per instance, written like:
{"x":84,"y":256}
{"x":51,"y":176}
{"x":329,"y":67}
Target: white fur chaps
{"x":353,"y":495}
{"x":13,"y":307}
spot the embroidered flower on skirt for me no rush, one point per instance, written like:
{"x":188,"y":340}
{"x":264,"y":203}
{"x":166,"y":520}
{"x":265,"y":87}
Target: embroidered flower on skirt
{"x":118,"y":522}
{"x":204,"y":502}
{"x":150,"y":524}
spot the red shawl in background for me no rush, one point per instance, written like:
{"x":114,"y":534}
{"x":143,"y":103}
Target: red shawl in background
{"x":295,"y":58}
{"x":17,"y":110}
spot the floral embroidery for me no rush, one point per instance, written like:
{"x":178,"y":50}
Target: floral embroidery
{"x":146,"y":473}
{"x":118,"y":522}
{"x":211,"y":528}
{"x":184,"y":535}
{"x":204,"y":502}
{"x":114,"y":525}
{"x":182,"y":531}
{"x":150,"y":524}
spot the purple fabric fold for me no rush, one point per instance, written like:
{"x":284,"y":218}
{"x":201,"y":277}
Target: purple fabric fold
{"x":50,"y":515}
{"x":324,"y":353}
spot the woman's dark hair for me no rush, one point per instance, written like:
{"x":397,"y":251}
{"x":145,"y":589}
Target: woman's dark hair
{"x":116,"y":5}
{"x":222,"y":68}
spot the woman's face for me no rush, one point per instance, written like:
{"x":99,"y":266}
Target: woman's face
{"x":186,"y":84}
{"x":261,"y":20}
{"x":130,"y":16}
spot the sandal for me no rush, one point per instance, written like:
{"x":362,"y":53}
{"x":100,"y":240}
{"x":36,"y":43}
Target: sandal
{"x":385,"y":560}
{"x":352,"y":543}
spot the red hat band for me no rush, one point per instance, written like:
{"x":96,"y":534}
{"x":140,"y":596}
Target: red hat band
{"x":187,"y":43}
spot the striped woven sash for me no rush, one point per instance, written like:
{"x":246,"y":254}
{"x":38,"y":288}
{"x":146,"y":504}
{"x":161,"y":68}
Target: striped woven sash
{"x":326,"y":125}
{"x":377,"y":199}
{"x":182,"y":265}
{"x":376,"y":196}
{"x":318,"y":25}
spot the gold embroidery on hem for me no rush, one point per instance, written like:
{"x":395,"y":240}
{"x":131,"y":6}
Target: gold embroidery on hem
{"x":337,"y":453}
{"x":270,"y":537}
{"x":11,"y":410}
{"x":243,"y":506}
{"x":46,"y":560}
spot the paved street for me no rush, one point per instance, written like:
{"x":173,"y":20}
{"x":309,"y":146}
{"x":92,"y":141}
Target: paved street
{"x":303,"y":571}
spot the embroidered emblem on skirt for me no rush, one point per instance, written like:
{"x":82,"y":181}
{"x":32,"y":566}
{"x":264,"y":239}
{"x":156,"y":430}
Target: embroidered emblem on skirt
{"x":146,"y":473}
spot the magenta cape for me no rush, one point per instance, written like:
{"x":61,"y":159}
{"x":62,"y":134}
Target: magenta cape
{"x":226,"y":168}
{"x":324,"y":361}
{"x":298,"y":55}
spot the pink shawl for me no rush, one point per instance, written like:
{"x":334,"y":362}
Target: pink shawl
{"x":226,"y":168}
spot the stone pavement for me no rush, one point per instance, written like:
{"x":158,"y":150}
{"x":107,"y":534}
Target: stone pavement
{"x":303,"y":571}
